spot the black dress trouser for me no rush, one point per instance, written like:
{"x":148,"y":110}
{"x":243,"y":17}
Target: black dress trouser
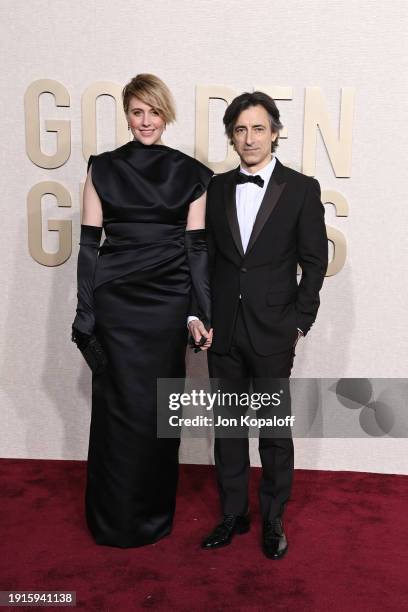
{"x":237,"y":371}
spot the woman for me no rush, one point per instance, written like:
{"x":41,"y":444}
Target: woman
{"x":133,"y":302}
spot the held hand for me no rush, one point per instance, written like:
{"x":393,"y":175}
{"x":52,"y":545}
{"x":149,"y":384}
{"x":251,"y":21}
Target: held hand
{"x":198,"y":332}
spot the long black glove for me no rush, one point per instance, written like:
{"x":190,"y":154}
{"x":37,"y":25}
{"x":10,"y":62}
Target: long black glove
{"x":84,"y":323}
{"x":197,"y":256}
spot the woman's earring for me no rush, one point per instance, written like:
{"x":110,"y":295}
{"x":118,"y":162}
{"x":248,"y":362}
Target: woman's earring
{"x":128,"y":127}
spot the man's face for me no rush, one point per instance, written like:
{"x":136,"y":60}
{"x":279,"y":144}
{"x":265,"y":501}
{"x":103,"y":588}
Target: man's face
{"x":252,"y":138}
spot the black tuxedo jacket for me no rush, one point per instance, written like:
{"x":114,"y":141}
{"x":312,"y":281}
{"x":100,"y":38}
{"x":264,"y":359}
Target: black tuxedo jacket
{"x":289,"y":229}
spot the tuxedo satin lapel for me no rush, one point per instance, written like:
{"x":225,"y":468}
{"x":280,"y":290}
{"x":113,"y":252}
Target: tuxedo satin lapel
{"x":272,"y":194}
{"x":231,"y":210}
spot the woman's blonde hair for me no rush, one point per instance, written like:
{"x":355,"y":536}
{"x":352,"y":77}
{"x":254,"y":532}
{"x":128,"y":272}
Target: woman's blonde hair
{"x":152,"y":91}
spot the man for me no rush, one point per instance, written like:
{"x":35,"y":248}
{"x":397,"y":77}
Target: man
{"x":263,"y":219}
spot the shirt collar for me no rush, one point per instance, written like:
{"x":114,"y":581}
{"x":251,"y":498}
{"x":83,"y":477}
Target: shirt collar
{"x":265,"y":172}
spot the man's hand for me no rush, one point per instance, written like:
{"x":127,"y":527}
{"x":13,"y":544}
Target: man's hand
{"x":197,"y":331}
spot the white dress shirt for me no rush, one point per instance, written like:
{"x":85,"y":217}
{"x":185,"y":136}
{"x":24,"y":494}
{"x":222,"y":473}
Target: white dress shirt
{"x":248,"y":197}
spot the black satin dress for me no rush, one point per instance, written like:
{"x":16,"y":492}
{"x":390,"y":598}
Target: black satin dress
{"x":141,"y":296}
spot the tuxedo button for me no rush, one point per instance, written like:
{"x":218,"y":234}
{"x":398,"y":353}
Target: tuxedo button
{"x":244,"y":270}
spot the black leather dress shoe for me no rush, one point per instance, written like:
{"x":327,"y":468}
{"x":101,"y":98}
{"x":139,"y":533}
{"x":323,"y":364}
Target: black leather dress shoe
{"x":274,"y":542}
{"x":224,"y":532}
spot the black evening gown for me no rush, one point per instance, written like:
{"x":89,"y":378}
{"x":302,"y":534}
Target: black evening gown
{"x":141,"y":299}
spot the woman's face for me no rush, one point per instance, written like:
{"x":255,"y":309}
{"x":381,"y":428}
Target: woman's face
{"x":146,"y":124}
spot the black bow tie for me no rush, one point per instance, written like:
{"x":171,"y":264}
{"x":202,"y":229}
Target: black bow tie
{"x":250,"y":178}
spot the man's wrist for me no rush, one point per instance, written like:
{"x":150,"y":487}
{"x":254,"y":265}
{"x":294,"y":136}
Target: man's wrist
{"x":191,"y":318}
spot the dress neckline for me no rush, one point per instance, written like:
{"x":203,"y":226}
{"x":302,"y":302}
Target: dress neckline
{"x":141,"y":145}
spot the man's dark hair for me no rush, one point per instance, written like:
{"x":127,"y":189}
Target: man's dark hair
{"x":244,"y":101}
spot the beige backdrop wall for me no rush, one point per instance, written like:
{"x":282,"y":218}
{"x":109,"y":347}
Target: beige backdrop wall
{"x":361,"y":329}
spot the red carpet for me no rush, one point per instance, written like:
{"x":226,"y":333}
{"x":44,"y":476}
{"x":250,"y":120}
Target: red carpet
{"x":347,"y":537}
